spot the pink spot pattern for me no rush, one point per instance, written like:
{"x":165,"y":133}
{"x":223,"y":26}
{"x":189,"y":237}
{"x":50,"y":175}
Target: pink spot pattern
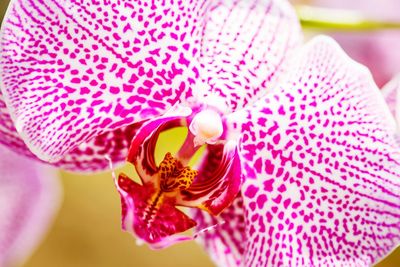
{"x":333,"y":195}
{"x":87,"y":157}
{"x":87,"y":68}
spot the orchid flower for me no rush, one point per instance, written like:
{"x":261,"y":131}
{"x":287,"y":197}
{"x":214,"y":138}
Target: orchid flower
{"x":80,"y":81}
{"x":301,"y":162}
{"x":370,"y":47}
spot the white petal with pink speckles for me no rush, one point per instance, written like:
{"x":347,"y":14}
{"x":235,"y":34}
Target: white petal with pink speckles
{"x":29,"y":198}
{"x":244,"y":46}
{"x":85,"y":68}
{"x":8,"y":134}
{"x":322,"y":166}
{"x":74,"y":69}
{"x":87,"y":157}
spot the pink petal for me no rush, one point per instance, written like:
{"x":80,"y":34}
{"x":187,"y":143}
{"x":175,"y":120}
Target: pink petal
{"x":72,"y":71}
{"x":371,"y":48}
{"x":83,"y":70}
{"x":321,"y":151}
{"x":88,"y":157}
{"x":224,"y":242}
{"x":391,"y":93}
{"x":29,"y":198}
{"x":244,"y":47}
{"x":8,"y":134}
{"x":91,"y":155}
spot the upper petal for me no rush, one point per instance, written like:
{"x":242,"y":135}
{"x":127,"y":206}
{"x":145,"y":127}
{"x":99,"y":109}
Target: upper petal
{"x":85,"y":69}
{"x":244,"y":47}
{"x":72,"y":70}
{"x":29,"y":198}
{"x":322,"y":166}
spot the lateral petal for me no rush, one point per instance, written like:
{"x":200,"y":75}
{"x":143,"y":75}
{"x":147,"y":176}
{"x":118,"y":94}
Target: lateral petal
{"x":72,"y":70}
{"x":87,"y":157}
{"x":321,"y":151}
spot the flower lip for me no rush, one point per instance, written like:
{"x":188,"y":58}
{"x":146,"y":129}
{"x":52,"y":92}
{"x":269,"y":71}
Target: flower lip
{"x":149,"y":213}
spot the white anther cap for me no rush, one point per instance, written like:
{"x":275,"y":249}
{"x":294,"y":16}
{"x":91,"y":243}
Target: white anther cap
{"x":207,"y":127}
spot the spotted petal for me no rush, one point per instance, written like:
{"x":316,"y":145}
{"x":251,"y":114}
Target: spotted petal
{"x":87,"y":157}
{"x":29,"y":198}
{"x":244,"y":45}
{"x":73,"y":70}
{"x":322,"y":166}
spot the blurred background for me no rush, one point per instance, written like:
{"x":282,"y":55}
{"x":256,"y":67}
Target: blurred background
{"x":87,"y":230}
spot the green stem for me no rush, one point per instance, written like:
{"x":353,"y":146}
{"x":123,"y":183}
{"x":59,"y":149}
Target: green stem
{"x":327,"y":19}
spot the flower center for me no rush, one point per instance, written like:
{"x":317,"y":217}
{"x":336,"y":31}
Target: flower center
{"x":149,"y":208}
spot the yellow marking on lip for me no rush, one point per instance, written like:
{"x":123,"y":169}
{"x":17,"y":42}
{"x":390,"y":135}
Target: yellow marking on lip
{"x":154,"y":204}
{"x":173,"y":175}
